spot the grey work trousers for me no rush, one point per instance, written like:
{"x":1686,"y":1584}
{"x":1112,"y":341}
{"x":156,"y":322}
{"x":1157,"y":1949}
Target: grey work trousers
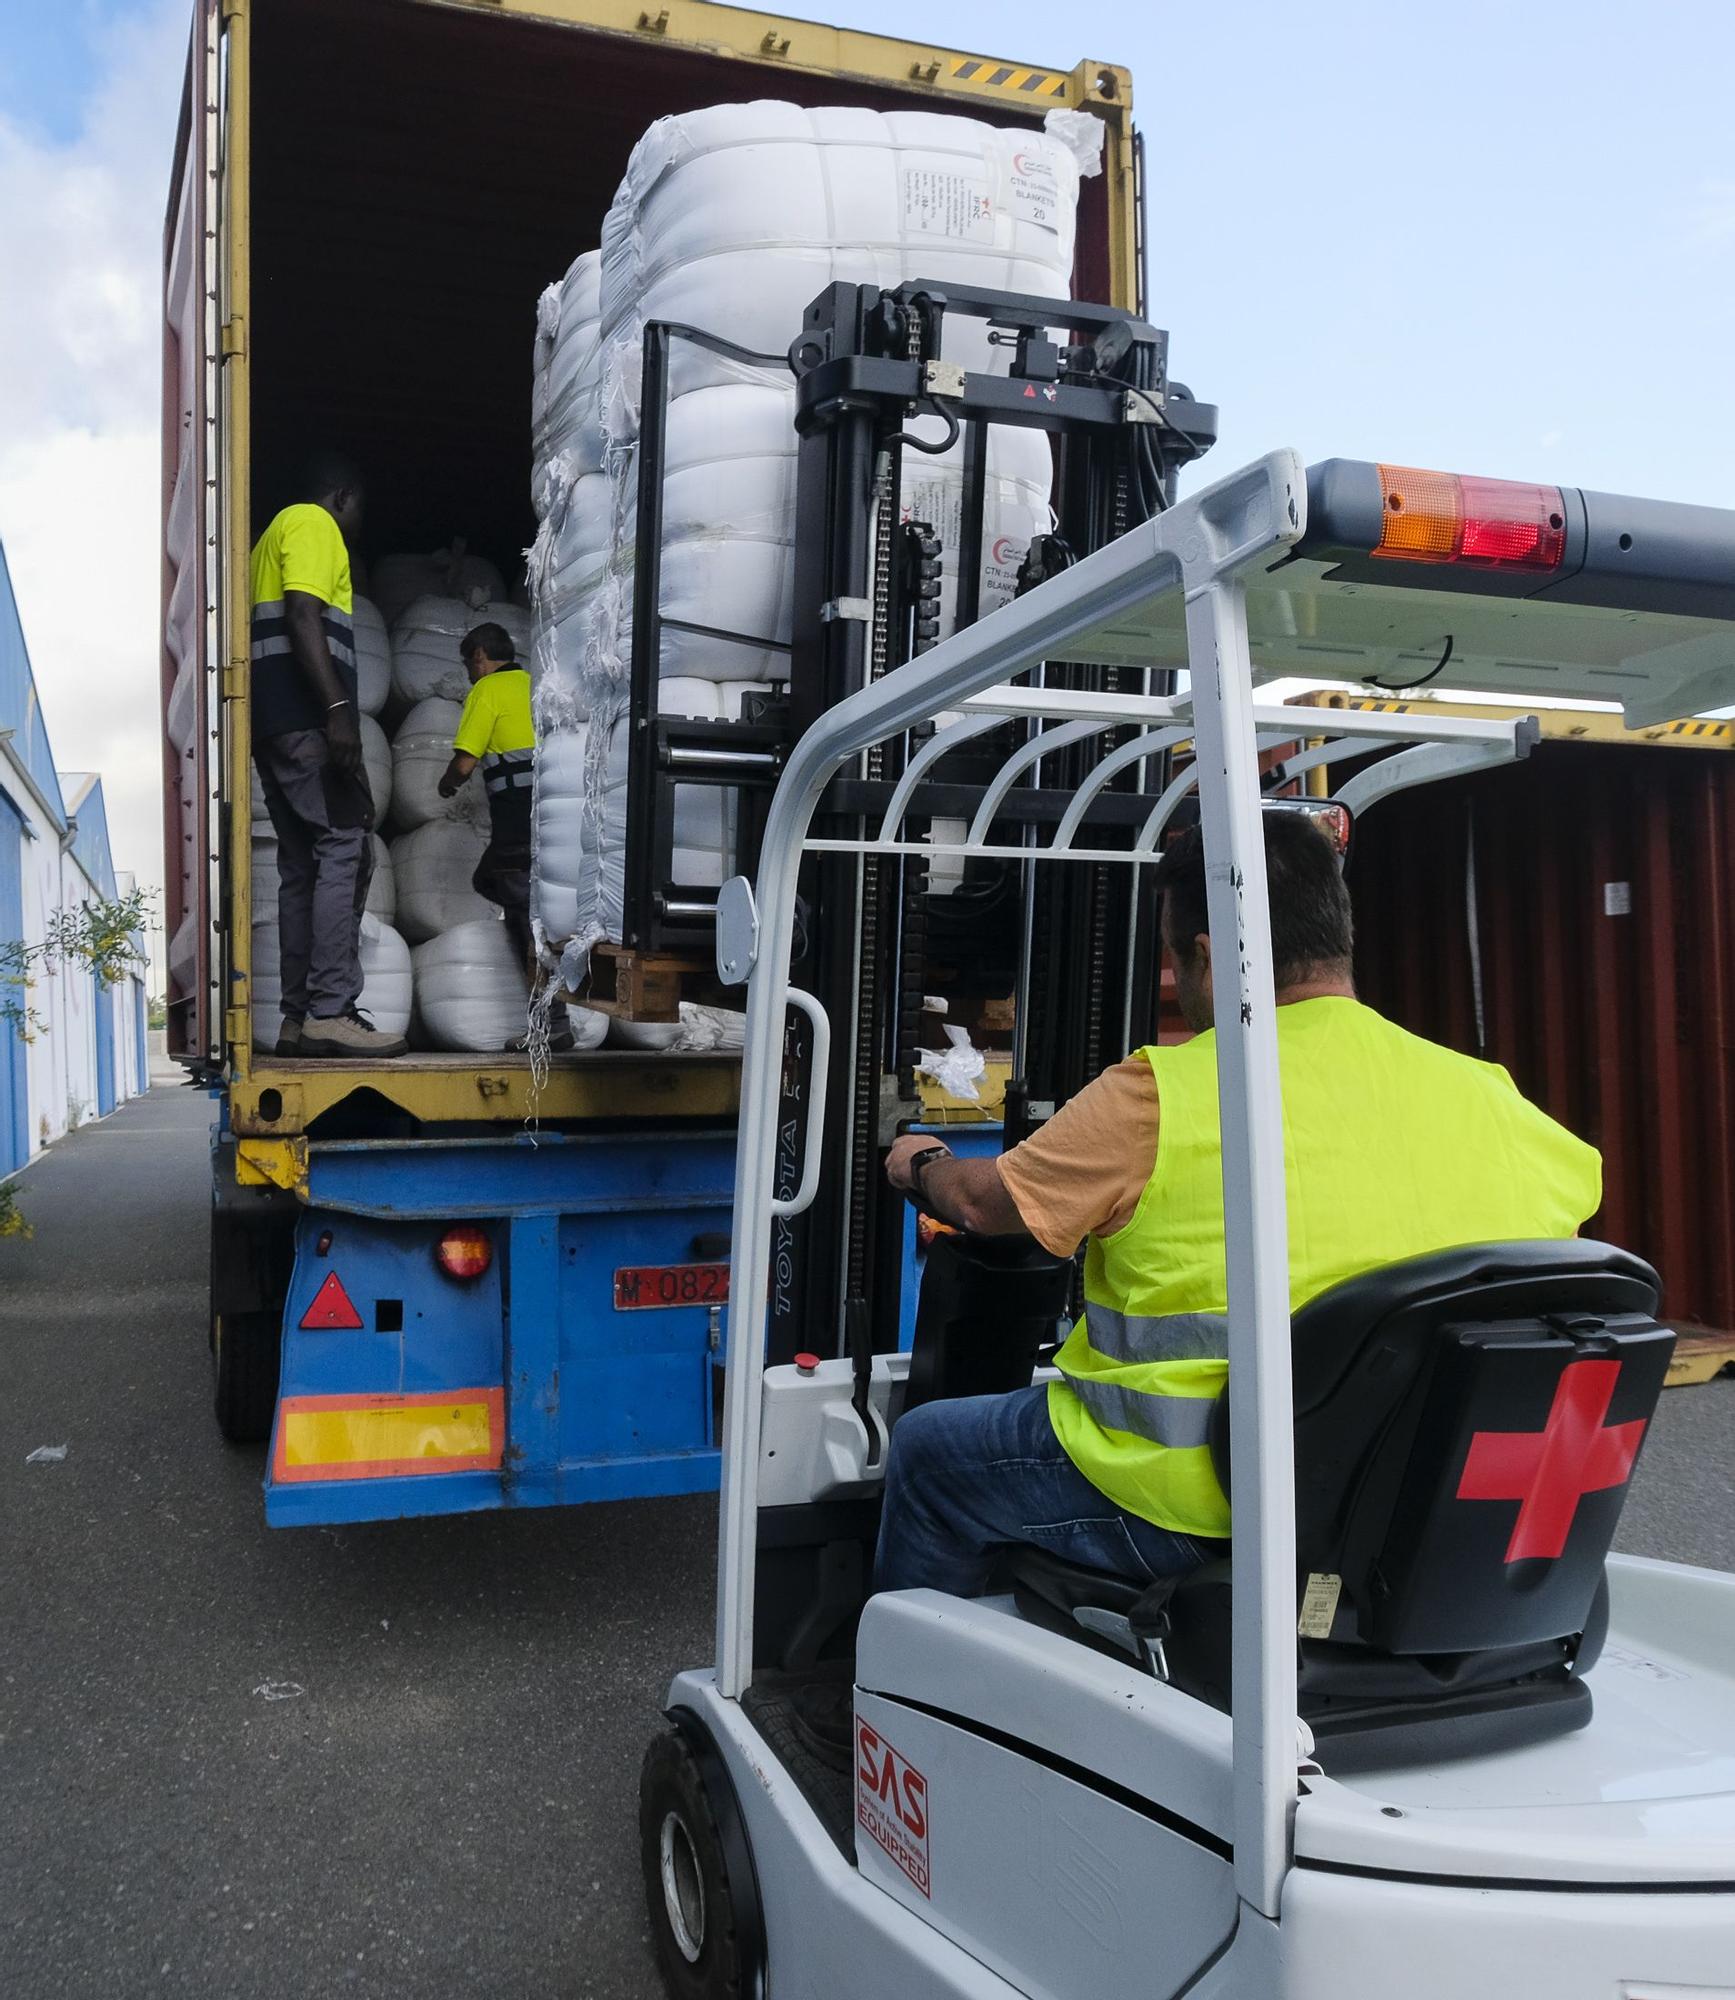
{"x":324,"y":821}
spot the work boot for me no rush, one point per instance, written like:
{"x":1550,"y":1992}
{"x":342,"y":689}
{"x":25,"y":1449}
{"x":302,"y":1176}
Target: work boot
{"x":823,"y":1717}
{"x":288,"y":1042}
{"x":350,"y":1037}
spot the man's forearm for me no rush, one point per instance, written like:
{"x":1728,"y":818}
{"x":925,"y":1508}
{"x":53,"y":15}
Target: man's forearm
{"x":971,"y":1195}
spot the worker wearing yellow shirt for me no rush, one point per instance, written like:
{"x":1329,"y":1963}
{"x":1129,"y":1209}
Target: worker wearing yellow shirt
{"x":496,"y":732}
{"x":307,"y":746}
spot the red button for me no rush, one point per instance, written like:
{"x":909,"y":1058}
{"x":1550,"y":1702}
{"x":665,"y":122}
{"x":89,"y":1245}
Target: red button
{"x":805,"y":1364}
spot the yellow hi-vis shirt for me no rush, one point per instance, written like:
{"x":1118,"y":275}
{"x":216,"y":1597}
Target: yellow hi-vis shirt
{"x":496,"y":727}
{"x":302,"y":549}
{"x":1393,"y":1147}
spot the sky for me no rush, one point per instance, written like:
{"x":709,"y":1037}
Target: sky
{"x":1494,"y":237}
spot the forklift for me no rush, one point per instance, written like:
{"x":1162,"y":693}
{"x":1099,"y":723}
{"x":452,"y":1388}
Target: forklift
{"x":1373,"y":1752}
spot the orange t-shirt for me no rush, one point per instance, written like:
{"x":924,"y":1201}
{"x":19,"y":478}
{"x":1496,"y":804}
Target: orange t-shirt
{"x":1084,"y":1172}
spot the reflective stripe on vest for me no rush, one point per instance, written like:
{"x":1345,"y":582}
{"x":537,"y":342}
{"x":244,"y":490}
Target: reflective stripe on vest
{"x":1405,"y":1148}
{"x":1123,"y":1336}
{"x":269,"y":633}
{"x":508,"y":770}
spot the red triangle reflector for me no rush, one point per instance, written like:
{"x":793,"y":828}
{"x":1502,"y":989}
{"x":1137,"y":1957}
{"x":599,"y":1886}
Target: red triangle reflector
{"x":332,"y":1309}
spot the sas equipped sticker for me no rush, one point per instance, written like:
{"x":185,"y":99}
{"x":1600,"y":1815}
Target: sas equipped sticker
{"x":891,"y":1803}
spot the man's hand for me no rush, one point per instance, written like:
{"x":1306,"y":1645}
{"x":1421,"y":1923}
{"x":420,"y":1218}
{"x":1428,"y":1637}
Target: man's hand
{"x":448,"y":785}
{"x":343,"y":734}
{"x":903,"y":1151}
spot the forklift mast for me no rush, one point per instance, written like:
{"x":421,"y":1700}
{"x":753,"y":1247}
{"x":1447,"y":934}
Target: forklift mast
{"x":1070,"y":948}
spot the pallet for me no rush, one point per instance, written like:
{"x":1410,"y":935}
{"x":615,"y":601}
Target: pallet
{"x":1700,"y":1357}
{"x":649,"y":986}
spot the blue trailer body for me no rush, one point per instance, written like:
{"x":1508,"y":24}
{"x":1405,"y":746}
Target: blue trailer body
{"x":527,"y":1385}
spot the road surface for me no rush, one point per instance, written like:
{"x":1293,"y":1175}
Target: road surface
{"x":443,"y":1802}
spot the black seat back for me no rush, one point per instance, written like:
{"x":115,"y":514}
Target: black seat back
{"x":987,"y":1304}
{"x":1466,"y":1425}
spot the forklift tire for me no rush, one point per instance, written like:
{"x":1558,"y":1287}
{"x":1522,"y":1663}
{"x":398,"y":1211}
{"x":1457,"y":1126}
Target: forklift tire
{"x":700,"y":1891}
{"x":246,"y":1352}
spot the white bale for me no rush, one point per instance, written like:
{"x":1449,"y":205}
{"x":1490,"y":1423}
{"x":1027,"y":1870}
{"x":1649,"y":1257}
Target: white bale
{"x":425,"y":662}
{"x":559,"y":837}
{"x":421,"y":750}
{"x":432,"y":865}
{"x":376,"y":757}
{"x":395,"y":582}
{"x":382,"y":888}
{"x":373,"y":657}
{"x":385,"y":972}
{"x":471,"y":991}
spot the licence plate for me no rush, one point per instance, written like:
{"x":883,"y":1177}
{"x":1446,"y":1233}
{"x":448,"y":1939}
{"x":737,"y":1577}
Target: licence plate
{"x":641,"y":1287}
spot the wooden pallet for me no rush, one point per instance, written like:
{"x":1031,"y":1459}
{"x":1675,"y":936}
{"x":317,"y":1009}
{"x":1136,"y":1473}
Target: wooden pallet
{"x":649,"y":986}
{"x":1700,"y":1357}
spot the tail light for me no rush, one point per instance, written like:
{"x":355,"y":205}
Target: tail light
{"x":1442,"y":517}
{"x":464,"y":1251}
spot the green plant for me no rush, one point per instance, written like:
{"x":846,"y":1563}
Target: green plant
{"x":106,"y":935}
{"x":13,"y":1221}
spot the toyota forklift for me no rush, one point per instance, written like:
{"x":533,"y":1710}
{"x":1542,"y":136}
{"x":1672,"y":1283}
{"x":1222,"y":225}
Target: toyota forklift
{"x":1421,"y":1733}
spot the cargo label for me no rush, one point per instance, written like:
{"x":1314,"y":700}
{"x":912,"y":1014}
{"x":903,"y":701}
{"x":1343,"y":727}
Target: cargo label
{"x":938,"y":203}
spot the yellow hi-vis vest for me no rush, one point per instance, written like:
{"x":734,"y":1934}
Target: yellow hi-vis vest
{"x":1393,"y":1147}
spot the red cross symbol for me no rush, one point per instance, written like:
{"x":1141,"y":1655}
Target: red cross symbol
{"x":1549,"y":1471}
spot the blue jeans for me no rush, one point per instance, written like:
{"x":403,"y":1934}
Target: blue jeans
{"x":969,"y":1476}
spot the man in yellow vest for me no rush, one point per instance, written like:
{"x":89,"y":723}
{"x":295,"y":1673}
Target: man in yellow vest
{"x":1394,"y":1147}
{"x":307,"y":747}
{"x":496,"y":730}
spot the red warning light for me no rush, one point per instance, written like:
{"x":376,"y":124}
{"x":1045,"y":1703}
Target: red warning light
{"x":332,"y":1310}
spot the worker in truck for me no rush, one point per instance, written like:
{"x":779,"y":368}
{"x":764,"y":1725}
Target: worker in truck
{"x":497,"y":732}
{"x":307,"y":746}
{"x":1395,"y":1147}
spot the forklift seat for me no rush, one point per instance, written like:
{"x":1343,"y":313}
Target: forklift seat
{"x":1466,"y":1426}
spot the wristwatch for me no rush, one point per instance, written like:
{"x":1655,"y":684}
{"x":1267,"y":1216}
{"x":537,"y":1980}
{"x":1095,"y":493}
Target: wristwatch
{"x":919,"y":1166}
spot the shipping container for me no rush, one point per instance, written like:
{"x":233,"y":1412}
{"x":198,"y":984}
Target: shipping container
{"x":1573,"y":917}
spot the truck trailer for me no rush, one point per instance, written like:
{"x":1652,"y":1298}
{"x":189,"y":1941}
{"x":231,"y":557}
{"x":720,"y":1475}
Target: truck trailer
{"x":449,"y":1282}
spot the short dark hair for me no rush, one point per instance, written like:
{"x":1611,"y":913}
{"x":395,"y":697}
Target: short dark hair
{"x":1310,"y":913}
{"x":492,"y":639}
{"x":329,"y":472}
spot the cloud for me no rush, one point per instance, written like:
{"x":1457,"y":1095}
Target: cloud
{"x":80,"y":438}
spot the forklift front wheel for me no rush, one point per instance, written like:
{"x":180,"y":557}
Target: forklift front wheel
{"x":700,"y":1891}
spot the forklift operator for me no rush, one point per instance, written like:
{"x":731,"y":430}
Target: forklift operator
{"x":1394,"y":1147}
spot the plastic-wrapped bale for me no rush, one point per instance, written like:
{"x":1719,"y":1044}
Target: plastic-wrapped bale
{"x":471,"y":992}
{"x":432,"y":865}
{"x":565,"y":422}
{"x":425,"y":662}
{"x":395,"y":582}
{"x":736,"y":217}
{"x":385,"y":990}
{"x":700,"y":1031}
{"x":559,"y":838}
{"x":373,"y":657}
{"x":421,"y":750}
{"x":733,"y":219}
{"x":700,"y":851}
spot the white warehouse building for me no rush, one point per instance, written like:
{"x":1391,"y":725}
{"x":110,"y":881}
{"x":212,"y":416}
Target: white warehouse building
{"x":84,"y":1049}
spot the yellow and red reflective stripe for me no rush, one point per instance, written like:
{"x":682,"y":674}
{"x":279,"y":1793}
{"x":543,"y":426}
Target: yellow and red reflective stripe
{"x":389,"y":1437}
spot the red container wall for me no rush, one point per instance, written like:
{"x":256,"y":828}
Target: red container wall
{"x":1594,"y":885}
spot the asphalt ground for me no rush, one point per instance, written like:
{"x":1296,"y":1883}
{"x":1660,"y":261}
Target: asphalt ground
{"x":443,"y":1800}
